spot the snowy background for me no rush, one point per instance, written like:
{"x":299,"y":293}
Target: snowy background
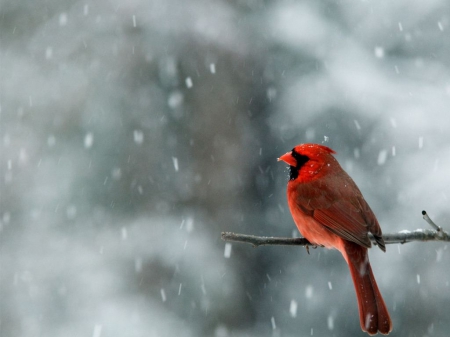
{"x":134,"y":132}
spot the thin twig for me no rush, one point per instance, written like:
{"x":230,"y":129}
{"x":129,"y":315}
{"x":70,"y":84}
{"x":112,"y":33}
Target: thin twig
{"x":390,"y":238}
{"x":427,"y":219}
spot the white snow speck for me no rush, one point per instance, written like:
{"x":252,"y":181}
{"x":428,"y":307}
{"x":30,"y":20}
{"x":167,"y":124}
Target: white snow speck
{"x":400,"y":27}
{"x":134,"y":21}
{"x":418,"y":278}
{"x":88,"y":140}
{"x":309,"y":291}
{"x":293,"y":308}
{"x":124,"y":233}
{"x":272,"y":320}
{"x":393,"y":151}
{"x":175,"y":100}
{"x":358,"y":127}
{"x":330,"y":285}
{"x":189,"y":83}
{"x":48,"y":53}
{"x":189,"y":225}
{"x":175,"y":163}
{"x":63,"y":19}
{"x":212,"y":68}
{"x":116,"y":173}
{"x":441,"y":27}
{"x":271,"y":94}
{"x":163,"y":294}
{"x":330,"y":322}
{"x":312,"y":331}
{"x":86,"y":10}
{"x":179,"y":289}
{"x":325,"y":138}
{"x":396,"y":69}
{"x":97,"y":330}
{"x":227,"y":251}
{"x":356,"y":153}
{"x":379,"y":52}
{"x":221,"y":331}
{"x":420,"y":142}
{"x":382,"y":156}
{"x":138,"y":136}
{"x":51,"y":141}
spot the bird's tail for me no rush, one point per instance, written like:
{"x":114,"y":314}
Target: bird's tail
{"x":373,"y":314}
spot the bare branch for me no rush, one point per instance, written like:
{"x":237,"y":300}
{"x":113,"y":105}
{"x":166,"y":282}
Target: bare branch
{"x":390,"y":238}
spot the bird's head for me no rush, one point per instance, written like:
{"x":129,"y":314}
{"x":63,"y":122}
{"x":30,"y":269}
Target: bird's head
{"x":310,"y":156}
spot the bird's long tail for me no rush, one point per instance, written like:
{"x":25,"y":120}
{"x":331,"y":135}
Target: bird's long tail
{"x":373,"y":314}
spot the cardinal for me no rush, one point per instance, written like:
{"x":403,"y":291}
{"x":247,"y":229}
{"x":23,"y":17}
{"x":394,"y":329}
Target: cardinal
{"x":330,"y":210}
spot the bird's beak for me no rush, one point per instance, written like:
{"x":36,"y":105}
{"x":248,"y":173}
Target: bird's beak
{"x":287,"y":158}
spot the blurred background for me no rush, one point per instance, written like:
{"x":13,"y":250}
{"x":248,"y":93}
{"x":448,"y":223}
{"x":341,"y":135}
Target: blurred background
{"x":134,"y":132}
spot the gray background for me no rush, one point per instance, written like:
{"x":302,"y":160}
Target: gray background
{"x":134,"y":132}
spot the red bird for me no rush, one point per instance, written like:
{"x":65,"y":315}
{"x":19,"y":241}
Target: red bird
{"x":329,"y":210}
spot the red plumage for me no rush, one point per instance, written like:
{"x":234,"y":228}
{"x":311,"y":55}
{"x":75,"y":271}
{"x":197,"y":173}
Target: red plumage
{"x":329,"y":210}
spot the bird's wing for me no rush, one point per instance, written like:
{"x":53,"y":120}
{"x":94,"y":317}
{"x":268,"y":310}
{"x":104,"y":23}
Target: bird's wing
{"x":339,"y":205}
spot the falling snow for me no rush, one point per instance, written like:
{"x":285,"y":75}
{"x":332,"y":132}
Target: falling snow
{"x":382,"y":156}
{"x":189,"y":83}
{"x":379,"y":52}
{"x":124,"y":233}
{"x":175,"y":163}
{"x":51,"y":141}
{"x":293,"y":308}
{"x":63,"y":19}
{"x":227,"y":251}
{"x":138,"y":136}
{"x":330,"y":322}
{"x":272,"y":320}
{"x":88,"y":140}
{"x":97,"y":330}
{"x":189,"y":225}
{"x":420,"y":142}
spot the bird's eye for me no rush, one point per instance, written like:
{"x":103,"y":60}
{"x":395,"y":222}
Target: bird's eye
{"x":301,"y":159}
